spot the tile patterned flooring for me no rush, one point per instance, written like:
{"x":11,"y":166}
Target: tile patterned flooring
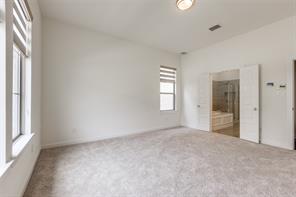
{"x":230,"y":131}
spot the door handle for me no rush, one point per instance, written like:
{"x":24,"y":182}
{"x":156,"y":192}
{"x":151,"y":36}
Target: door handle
{"x":255,"y":109}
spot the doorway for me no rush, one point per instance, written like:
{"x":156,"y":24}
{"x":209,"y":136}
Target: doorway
{"x":225,"y":118}
{"x":247,"y":98}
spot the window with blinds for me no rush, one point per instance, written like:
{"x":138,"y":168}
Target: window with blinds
{"x":22,"y":17}
{"x":167,"y":88}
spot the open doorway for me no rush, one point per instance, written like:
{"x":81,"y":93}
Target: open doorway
{"x":226,"y":102}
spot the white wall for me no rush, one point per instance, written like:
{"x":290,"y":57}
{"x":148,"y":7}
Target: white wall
{"x":97,"y":86}
{"x":273,"y":47}
{"x":3,"y":84}
{"x":14,"y":181}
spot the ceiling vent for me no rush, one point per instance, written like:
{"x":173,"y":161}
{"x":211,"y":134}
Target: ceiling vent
{"x":215,"y":27}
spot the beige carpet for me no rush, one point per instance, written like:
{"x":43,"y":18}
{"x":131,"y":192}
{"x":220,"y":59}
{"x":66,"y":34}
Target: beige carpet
{"x":178,"y":162}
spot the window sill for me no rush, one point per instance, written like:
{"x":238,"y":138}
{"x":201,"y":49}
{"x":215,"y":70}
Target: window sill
{"x":19,"y":145}
{"x":17,"y":148}
{"x":168,"y":111}
{"x":4,"y":168}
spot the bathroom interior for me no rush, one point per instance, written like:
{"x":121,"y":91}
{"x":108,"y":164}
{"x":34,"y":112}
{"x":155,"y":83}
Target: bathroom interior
{"x":225,"y":103}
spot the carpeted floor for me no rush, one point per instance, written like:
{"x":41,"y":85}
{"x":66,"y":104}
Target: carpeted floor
{"x":178,"y":162}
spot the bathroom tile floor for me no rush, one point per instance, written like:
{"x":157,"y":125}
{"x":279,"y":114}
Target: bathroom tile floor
{"x":230,"y":131}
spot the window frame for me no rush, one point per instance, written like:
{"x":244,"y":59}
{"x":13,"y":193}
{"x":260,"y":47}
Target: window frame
{"x":21,"y":94}
{"x":10,"y":149}
{"x":174,"y":82}
{"x":22,"y":37}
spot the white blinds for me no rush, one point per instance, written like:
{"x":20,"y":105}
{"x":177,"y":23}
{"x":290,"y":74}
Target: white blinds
{"x":167,"y":74}
{"x":21,"y":18}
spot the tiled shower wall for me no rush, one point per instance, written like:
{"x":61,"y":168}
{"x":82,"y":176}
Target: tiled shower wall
{"x":226,"y":97}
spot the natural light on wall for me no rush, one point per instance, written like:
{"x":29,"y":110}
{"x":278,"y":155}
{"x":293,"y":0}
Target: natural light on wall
{"x":184,"y":4}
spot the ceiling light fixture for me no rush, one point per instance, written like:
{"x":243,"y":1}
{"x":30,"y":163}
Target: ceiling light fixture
{"x":184,"y":4}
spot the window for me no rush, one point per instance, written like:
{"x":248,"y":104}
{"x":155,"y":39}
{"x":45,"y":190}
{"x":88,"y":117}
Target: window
{"x":17,"y":94}
{"x":15,"y":84}
{"x":21,"y":43}
{"x":22,"y":18}
{"x":167,"y":88}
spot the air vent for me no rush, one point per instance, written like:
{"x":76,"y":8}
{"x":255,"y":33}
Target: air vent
{"x":215,"y":27}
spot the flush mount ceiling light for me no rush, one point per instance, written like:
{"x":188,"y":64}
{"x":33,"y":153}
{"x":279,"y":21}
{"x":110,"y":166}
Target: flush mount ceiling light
{"x":184,"y":4}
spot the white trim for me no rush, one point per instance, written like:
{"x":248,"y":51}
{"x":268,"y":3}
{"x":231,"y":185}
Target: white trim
{"x":293,"y":105}
{"x":18,"y":146}
{"x":31,"y":172}
{"x":20,"y":143}
{"x":4,"y":168}
{"x":163,"y":112}
{"x":290,"y":102}
{"x":94,"y":139}
{"x":276,"y":144}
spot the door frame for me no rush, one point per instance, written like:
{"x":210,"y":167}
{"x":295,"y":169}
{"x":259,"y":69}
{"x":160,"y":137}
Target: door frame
{"x":293,"y":108}
{"x":259,"y":94}
{"x":291,"y":97}
{"x":291,"y":94}
{"x":211,"y":91}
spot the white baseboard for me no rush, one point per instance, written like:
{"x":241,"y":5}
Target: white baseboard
{"x":94,"y":139}
{"x":277,"y":144}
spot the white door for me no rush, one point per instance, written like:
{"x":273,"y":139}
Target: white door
{"x":249,"y":103}
{"x":204,"y":102}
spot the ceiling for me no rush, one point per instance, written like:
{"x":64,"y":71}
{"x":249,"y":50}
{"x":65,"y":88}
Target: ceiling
{"x":158,"y":23}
